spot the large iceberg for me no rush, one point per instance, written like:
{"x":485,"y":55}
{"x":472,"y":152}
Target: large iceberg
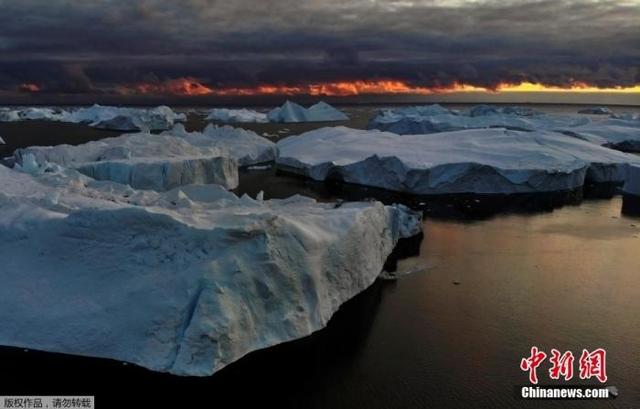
{"x":185,"y":281}
{"x":292,"y":112}
{"x":236,"y":115}
{"x":142,"y":160}
{"x":105,"y":117}
{"x":247,"y":147}
{"x":473,"y":161}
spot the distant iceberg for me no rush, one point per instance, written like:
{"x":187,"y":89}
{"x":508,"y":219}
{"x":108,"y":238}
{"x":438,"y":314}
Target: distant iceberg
{"x":186,"y":281}
{"x":105,"y":117}
{"x":292,"y":112}
{"x":596,"y":111}
{"x":236,"y":116}
{"x":126,"y":119}
{"x":435,"y":118}
{"x":471,"y":161}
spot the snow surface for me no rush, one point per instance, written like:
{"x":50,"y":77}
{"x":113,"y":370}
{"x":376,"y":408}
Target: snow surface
{"x":143,"y":161}
{"x":105,"y":117}
{"x":247,"y":147}
{"x":186,"y":281}
{"x":474,"y":161}
{"x":632,"y":185}
{"x":236,"y":115}
{"x":292,"y":112}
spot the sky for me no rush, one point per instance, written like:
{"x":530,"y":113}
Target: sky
{"x":200,"y":50}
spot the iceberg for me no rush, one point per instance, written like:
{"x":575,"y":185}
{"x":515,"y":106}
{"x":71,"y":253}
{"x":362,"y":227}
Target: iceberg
{"x":596,"y":111}
{"x":142,"y":160}
{"x":471,"y":161}
{"x":292,"y":112}
{"x":236,"y":115}
{"x":2,"y":142}
{"x":614,"y":134}
{"x":632,"y":184}
{"x":125,"y":119}
{"x":185,"y":281}
{"x":245,"y":146}
{"x":105,"y":117}
{"x":434,"y":118}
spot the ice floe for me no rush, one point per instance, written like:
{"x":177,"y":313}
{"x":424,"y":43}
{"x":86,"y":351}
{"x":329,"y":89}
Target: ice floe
{"x":142,"y":160}
{"x":292,"y":112}
{"x":185,"y":281}
{"x":236,"y":115}
{"x":474,"y":161}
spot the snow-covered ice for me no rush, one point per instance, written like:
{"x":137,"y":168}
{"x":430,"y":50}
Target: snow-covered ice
{"x":143,"y":161}
{"x":247,"y":147}
{"x":236,"y":115}
{"x":185,"y":281}
{"x":292,"y":112}
{"x":595,"y":111}
{"x":632,"y":184}
{"x":472,"y":161}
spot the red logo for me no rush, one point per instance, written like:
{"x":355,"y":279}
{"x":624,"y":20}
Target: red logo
{"x":592,"y":364}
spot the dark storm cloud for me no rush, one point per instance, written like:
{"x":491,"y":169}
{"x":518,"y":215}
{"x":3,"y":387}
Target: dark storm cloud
{"x":96,"y":45}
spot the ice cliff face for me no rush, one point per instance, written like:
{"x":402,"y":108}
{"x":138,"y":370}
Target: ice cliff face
{"x":473,"y":161}
{"x":185,"y":281}
{"x":143,"y":161}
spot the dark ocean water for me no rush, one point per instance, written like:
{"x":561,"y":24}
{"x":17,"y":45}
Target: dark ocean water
{"x":492,"y":277}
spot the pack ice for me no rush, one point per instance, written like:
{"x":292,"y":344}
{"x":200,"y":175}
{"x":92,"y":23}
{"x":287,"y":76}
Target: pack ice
{"x":141,"y":160}
{"x":106,"y":117}
{"x":292,"y":112}
{"x":236,"y":115}
{"x":471,"y":161}
{"x":186,"y":281}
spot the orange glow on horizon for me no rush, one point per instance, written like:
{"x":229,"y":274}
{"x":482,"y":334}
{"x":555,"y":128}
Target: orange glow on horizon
{"x":192,"y":87}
